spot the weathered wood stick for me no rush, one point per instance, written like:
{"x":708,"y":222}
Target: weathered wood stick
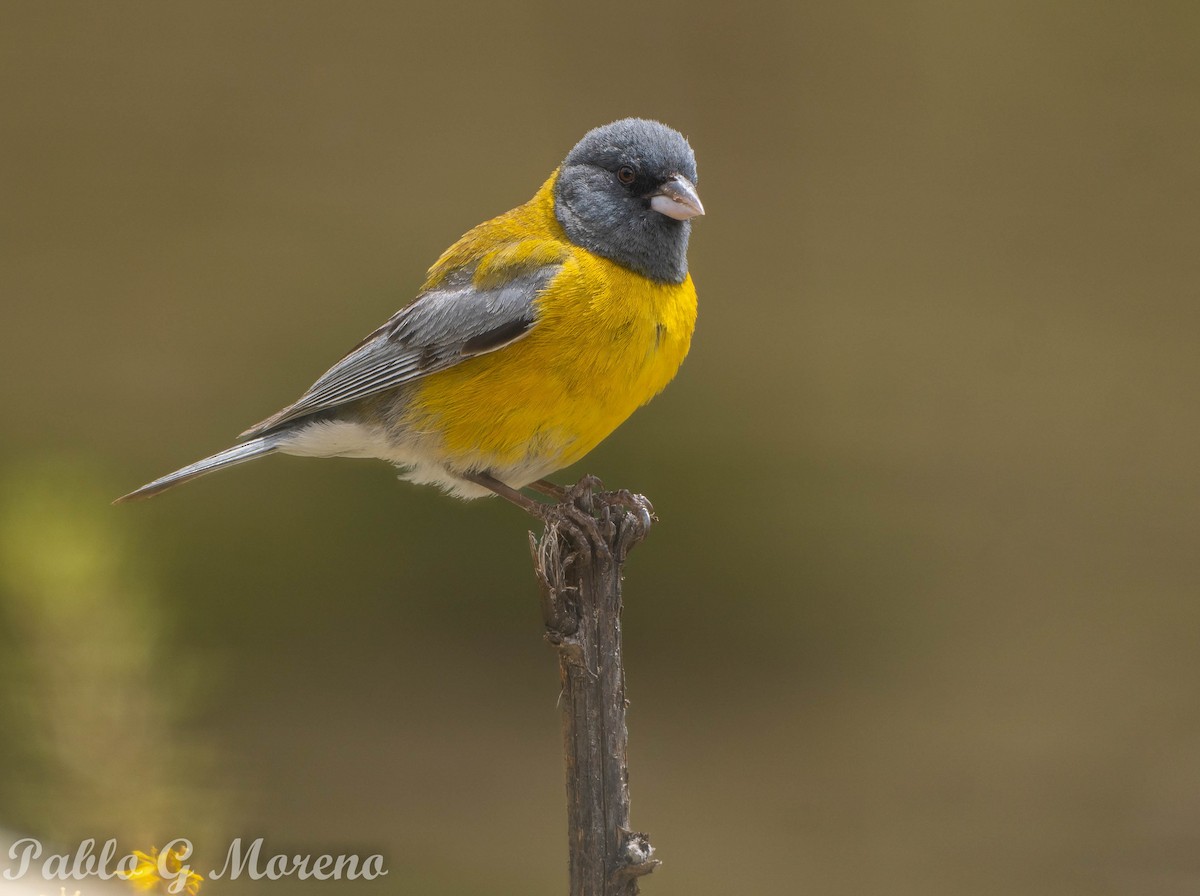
{"x":578,"y":562}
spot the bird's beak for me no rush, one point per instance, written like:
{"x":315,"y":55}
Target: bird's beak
{"x":677,"y":198}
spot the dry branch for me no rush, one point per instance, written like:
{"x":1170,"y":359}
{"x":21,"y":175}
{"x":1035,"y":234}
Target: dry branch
{"x":578,"y":562}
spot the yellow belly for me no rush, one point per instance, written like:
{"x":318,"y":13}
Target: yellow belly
{"x":606,"y":342}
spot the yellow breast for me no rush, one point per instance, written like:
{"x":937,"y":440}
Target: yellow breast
{"x":606,"y":341}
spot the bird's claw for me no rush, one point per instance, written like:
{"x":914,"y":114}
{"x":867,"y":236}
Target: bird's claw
{"x":638,"y":505}
{"x":578,"y":525}
{"x":594,"y":519}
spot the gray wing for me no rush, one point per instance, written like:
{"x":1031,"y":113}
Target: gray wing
{"x":443,"y":327}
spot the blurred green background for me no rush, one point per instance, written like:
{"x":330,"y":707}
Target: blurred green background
{"x":921,"y":614}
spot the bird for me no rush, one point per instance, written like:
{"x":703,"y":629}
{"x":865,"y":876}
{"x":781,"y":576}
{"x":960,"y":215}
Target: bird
{"x":533,"y":337}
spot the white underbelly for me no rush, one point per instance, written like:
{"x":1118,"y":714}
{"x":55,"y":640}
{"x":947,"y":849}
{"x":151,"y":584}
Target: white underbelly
{"x":421,"y":459}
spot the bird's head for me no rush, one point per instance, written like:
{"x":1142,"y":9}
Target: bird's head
{"x":627,"y":191}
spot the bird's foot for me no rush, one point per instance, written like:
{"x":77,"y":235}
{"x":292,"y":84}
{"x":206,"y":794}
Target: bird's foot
{"x":602,"y":520}
{"x":595,"y":521}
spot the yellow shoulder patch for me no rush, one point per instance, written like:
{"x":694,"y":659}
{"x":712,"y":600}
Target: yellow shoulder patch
{"x":504,"y":264}
{"x":516,"y":242}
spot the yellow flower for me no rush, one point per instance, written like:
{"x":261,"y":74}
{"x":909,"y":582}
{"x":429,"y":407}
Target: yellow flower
{"x":146,"y":875}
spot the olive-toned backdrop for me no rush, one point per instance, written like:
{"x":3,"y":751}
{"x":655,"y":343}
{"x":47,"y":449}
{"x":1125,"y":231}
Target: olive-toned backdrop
{"x":921,"y":616}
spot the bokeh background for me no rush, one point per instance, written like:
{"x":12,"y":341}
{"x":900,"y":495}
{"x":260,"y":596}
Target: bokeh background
{"x":921,"y":616}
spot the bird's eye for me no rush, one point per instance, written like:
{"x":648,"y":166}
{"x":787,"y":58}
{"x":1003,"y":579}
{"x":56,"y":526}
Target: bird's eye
{"x":626,"y":174}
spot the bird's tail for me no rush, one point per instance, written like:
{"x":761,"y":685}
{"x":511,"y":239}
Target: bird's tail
{"x":227,"y":458}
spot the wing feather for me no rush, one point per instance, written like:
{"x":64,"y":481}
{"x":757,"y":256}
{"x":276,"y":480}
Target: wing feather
{"x":444,"y":326}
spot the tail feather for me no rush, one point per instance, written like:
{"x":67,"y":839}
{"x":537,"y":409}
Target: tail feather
{"x":236,"y":455}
